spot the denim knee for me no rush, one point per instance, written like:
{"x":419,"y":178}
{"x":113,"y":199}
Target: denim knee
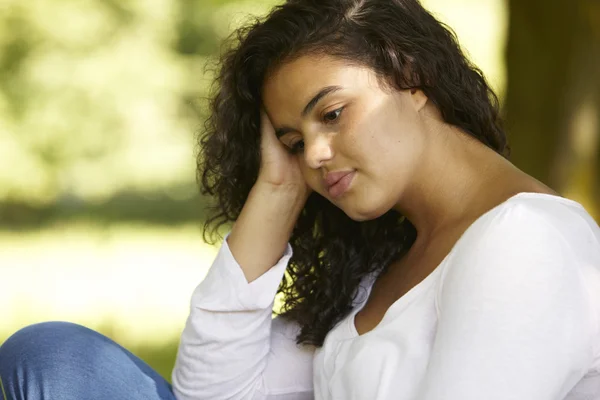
{"x":69,"y":361}
{"x":43,"y":355}
{"x":43,"y":343}
{"x":39,"y":343}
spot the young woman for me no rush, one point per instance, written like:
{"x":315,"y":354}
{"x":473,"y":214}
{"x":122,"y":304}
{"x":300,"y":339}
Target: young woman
{"x":363,"y":161}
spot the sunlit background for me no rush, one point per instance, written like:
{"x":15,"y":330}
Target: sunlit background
{"x":100,"y":102}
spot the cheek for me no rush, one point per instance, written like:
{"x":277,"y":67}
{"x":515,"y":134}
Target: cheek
{"x":311,"y":177}
{"x":392,"y":143}
{"x":373,"y":146}
{"x":366,"y":136}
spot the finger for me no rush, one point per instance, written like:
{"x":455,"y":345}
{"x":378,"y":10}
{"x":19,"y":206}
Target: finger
{"x":265,"y":123}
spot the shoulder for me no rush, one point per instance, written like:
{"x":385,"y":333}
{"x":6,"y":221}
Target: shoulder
{"x":533,"y":221}
{"x":523,"y":258}
{"x":528,"y":244}
{"x":532,"y":252}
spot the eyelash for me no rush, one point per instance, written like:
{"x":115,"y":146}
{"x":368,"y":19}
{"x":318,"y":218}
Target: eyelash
{"x":295,"y":148}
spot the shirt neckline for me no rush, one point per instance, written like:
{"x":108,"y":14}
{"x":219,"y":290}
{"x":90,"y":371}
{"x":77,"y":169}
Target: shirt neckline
{"x":404,"y":301}
{"x":409,"y":296}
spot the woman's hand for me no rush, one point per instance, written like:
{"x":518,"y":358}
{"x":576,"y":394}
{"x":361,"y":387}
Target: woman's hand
{"x":265,"y":224}
{"x":278,"y":168}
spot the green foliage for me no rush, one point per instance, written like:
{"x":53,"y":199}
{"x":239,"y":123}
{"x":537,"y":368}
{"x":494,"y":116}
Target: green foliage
{"x":99,"y":97}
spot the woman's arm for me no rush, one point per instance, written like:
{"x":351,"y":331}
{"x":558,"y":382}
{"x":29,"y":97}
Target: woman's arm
{"x":515,"y":319}
{"x":230,"y":348}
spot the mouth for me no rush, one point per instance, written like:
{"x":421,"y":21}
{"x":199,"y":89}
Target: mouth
{"x":338,"y":182}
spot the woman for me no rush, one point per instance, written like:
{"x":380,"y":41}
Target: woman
{"x":425,"y":266}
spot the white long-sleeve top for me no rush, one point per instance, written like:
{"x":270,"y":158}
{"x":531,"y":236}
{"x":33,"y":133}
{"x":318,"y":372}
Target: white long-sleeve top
{"x":511,"y":313}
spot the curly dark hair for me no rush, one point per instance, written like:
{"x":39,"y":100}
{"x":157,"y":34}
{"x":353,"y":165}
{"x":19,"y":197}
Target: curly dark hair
{"x":407,"y":47}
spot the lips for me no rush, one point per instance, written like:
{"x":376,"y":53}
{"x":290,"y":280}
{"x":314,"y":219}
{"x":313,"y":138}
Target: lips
{"x":337,"y":182}
{"x":333,"y":177}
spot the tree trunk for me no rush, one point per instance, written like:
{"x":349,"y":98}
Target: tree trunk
{"x":552,"y":58}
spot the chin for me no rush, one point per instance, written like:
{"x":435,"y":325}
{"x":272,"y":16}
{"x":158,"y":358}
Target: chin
{"x":365,"y":213}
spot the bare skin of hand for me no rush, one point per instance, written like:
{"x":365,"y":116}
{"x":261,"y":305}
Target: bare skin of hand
{"x":263,"y":228}
{"x":279,"y":167}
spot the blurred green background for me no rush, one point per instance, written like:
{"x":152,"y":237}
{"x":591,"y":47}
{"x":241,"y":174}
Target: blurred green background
{"x":100,"y":102}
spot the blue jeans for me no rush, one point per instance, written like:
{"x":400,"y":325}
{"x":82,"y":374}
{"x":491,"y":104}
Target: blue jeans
{"x":65,"y":361}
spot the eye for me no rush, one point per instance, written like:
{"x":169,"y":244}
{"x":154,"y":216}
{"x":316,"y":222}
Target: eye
{"x":296,"y":147}
{"x":332,"y":116}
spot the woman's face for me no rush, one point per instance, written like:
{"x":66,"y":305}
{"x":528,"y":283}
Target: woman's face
{"x":358,"y":143}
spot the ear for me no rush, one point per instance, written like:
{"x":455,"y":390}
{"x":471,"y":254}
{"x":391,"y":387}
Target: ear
{"x":418,"y":98}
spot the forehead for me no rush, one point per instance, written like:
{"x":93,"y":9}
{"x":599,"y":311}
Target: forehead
{"x":292,"y":84}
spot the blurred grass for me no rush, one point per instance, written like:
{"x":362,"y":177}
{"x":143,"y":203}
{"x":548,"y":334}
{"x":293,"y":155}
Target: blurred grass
{"x":131,"y":282}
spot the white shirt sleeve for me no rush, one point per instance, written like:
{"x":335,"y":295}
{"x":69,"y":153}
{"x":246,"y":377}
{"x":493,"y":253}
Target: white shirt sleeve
{"x":231,"y":348}
{"x":515,"y":319}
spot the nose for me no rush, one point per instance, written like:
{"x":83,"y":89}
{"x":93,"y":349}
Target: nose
{"x":317,"y":151}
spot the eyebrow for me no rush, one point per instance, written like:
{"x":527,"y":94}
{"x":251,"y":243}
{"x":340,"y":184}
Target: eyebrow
{"x":309,"y":107}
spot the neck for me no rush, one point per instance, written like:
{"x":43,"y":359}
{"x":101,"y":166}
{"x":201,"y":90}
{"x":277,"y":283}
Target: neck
{"x":456,"y":177}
